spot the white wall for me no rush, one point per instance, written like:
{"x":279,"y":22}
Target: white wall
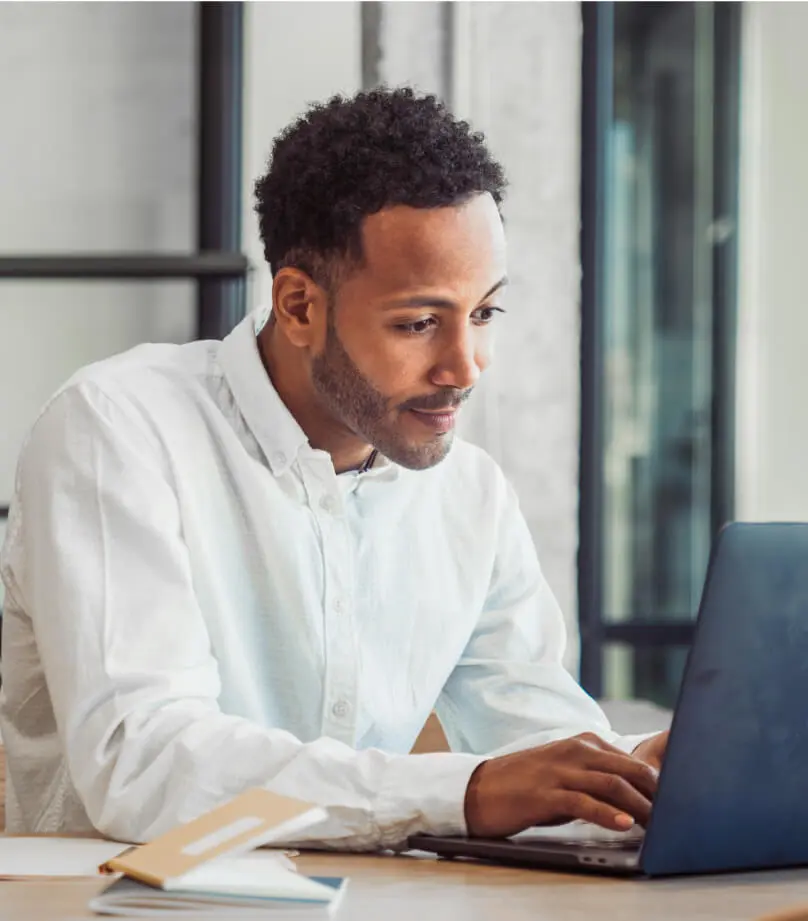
{"x":97,"y":143}
{"x":295,"y":53}
{"x":772,"y":370}
{"x":413,"y":45}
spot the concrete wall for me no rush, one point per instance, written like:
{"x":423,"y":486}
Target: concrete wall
{"x":772,"y":443}
{"x":524,"y":70}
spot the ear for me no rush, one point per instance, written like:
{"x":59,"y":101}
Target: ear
{"x":300,"y":307}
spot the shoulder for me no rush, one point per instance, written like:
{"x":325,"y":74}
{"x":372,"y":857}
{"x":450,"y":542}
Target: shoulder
{"x":152,"y":366}
{"x":122,"y":392}
{"x":154,"y":369}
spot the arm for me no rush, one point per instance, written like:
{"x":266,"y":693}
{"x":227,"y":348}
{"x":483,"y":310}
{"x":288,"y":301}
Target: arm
{"x":510,"y":695}
{"x":510,"y":689}
{"x":103,"y":572}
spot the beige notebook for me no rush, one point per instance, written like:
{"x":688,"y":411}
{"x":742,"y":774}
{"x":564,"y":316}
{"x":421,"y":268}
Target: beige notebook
{"x":254,"y":818}
{"x":202,"y":867}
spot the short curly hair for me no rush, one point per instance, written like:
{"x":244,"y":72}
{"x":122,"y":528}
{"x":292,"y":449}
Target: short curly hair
{"x":348,"y":158}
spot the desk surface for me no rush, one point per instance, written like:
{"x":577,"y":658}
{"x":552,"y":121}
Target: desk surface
{"x":387,"y":888}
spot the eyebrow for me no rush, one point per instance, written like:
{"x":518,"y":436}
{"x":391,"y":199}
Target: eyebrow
{"x":429,"y":301}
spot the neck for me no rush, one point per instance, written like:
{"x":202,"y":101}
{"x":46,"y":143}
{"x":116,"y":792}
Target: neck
{"x":292,"y":381}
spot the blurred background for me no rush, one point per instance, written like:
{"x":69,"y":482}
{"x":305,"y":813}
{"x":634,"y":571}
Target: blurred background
{"x":647,"y":388}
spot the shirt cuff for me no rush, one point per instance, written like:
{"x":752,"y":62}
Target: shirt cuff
{"x":424,"y":794}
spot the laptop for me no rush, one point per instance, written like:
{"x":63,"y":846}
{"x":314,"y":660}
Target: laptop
{"x":733,"y":790}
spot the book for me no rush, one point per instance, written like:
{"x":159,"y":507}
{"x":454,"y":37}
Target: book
{"x":279,"y":893}
{"x":205,"y":866}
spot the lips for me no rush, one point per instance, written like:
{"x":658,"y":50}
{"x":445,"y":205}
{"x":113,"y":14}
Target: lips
{"x":436,"y":420}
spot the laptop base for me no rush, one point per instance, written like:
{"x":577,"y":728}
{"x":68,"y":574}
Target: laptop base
{"x":604,"y":857}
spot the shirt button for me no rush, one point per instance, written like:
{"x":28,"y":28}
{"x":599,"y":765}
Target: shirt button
{"x":328,"y":504}
{"x":279,"y":458}
{"x":340,"y":709}
{"x":339,"y":605}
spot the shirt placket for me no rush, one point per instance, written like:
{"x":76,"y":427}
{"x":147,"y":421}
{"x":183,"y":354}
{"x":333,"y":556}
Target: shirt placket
{"x":341,"y":657}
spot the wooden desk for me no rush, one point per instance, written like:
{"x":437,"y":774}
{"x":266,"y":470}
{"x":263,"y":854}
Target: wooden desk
{"x":386,"y":888}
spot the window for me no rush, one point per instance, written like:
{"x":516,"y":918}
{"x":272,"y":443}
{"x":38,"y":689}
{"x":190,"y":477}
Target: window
{"x":659,"y":175}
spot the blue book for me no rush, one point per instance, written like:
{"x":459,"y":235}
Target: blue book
{"x":274,"y":895}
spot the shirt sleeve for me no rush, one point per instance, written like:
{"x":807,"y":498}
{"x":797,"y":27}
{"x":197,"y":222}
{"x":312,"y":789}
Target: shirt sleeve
{"x":103,"y":571}
{"x":510,"y":690}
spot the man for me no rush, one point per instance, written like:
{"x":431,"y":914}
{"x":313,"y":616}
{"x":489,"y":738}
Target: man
{"x":264,"y":561}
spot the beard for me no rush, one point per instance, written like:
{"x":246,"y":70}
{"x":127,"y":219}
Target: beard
{"x":353,"y":400}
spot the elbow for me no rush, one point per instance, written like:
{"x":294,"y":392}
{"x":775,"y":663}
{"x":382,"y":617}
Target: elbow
{"x":125,"y":797}
{"x":118,"y":811}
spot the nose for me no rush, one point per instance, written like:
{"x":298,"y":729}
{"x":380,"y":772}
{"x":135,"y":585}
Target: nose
{"x":462,"y":362}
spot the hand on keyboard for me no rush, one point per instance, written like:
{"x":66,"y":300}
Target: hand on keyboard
{"x":579,"y":778}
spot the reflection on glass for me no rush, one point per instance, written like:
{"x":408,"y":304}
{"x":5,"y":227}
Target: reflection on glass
{"x":657,"y":389}
{"x":650,"y":673}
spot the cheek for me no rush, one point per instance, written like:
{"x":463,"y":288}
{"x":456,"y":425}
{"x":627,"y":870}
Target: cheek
{"x":484,"y":349}
{"x":399,"y":367}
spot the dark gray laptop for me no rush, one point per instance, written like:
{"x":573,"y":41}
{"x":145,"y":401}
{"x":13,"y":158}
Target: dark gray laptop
{"x":733,"y":791}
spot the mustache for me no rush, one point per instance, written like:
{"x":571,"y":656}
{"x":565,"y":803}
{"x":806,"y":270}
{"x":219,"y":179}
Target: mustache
{"x":448,"y":398}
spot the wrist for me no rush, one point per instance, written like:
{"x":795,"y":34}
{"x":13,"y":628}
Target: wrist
{"x":471,"y":804}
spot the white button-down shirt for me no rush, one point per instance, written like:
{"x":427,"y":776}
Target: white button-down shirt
{"x":196,"y":603}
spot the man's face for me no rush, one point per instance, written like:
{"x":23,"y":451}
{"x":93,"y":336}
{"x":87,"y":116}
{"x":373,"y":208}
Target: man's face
{"x":410,"y":331}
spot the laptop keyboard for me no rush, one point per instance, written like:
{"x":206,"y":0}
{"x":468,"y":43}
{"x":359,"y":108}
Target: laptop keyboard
{"x":632,"y":844}
{"x":583,"y":834}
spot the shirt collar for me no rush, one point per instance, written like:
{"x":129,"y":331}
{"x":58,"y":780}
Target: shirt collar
{"x":276,"y":430}
{"x":274,"y":427}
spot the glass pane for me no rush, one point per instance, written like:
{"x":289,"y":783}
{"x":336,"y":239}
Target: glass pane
{"x":97,"y":141}
{"x":658,"y":318}
{"x":51,"y":329}
{"x":646,"y":673}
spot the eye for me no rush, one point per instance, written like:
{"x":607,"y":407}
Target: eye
{"x":418,"y":327}
{"x":485,"y":315}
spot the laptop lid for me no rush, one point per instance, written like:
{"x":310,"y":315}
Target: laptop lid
{"x":733,"y":792}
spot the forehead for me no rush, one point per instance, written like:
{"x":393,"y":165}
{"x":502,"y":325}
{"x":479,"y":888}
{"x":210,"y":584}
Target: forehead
{"x":451,"y":247}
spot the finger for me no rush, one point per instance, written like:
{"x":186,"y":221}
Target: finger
{"x":576,"y":805}
{"x":592,"y":738}
{"x":652,"y":751}
{"x":613,"y":790}
{"x":595,"y":741}
{"x":639,"y":774}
